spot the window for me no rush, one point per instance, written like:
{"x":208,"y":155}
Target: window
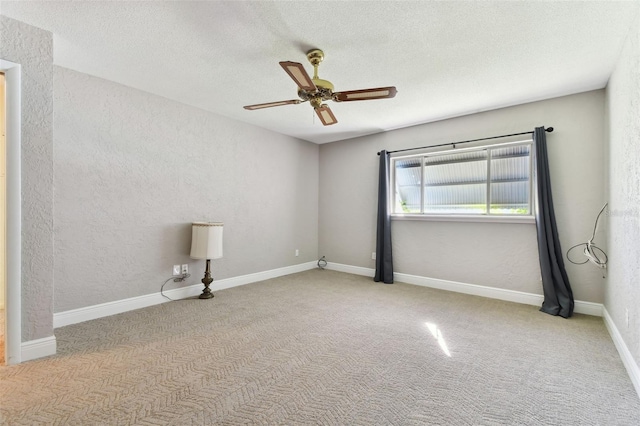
{"x":490,"y":180}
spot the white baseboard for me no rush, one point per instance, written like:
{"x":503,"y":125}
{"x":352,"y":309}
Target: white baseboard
{"x":587,"y":308}
{"x":580,"y":307}
{"x":259,"y":276}
{"x":38,"y":348}
{"x":357,"y":270}
{"x":627,"y":359}
{"x":74,"y":316}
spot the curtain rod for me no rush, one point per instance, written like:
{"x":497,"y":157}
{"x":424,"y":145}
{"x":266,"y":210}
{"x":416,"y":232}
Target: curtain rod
{"x":548,"y":129}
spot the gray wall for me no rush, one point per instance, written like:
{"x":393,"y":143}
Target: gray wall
{"x":32,"y":48}
{"x":496,"y":255}
{"x":623,"y":281}
{"x":133,"y":170}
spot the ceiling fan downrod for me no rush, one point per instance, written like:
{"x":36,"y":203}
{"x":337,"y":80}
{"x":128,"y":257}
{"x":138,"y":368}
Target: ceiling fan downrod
{"x":315,"y":56}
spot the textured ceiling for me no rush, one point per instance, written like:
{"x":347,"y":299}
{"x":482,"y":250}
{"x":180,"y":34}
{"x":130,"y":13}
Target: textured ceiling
{"x":446,"y":58}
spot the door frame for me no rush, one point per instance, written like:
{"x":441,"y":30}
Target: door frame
{"x":13,"y":283}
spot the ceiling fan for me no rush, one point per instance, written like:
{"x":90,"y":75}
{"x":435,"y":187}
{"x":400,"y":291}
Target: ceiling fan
{"x":315,"y":90}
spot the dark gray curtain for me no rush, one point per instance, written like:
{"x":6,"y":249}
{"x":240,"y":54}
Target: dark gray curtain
{"x":384,"y":261}
{"x":558,"y":297}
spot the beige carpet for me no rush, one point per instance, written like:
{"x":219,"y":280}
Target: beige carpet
{"x":323,"y":347}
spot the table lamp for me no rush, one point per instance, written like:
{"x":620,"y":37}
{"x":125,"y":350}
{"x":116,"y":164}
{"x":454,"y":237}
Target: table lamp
{"x":206,"y":243}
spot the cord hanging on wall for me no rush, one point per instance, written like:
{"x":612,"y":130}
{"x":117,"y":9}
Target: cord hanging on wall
{"x":177,"y":279}
{"x":593,"y":253}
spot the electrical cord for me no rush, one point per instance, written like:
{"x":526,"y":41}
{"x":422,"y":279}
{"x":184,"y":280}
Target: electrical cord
{"x":593,"y":253}
{"x":322,"y":263}
{"x":177,"y":279}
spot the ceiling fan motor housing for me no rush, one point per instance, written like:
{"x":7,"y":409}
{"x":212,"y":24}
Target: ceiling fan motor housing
{"x":324,"y":93}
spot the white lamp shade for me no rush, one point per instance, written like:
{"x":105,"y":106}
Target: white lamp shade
{"x":206,"y":240}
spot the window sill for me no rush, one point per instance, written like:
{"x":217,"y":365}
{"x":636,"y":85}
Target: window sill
{"x":465,"y":218}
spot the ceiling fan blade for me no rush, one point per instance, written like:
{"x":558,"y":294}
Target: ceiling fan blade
{"x":365,"y":94}
{"x":297,"y":72}
{"x":272,"y":104}
{"x":326,"y":115}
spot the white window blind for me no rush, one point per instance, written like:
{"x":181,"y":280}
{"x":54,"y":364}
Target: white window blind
{"x":483,"y":180}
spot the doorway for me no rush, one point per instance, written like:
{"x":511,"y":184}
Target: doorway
{"x":3,"y":222}
{"x":11,"y":222}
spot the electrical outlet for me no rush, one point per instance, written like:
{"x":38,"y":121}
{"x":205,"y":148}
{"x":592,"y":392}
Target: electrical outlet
{"x":176,"y":270}
{"x":297,"y":252}
{"x":185,"y":269}
{"x":373,"y":255}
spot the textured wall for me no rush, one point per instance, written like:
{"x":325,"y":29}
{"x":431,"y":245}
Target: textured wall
{"x":496,"y":255}
{"x":133,"y":170}
{"x":623,"y":281}
{"x":33,"y":49}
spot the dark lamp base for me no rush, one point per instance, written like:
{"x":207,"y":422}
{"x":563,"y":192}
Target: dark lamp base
{"x":206,"y":293}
